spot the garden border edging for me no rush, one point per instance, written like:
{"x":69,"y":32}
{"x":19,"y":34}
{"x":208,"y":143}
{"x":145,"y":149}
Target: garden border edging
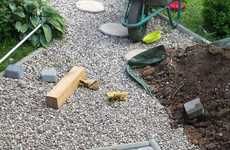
{"x":151,"y":143}
{"x":182,"y":28}
{"x":24,"y":59}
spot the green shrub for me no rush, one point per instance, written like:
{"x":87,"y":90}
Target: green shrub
{"x":19,"y":17}
{"x":216,"y":14}
{"x":5,"y":19}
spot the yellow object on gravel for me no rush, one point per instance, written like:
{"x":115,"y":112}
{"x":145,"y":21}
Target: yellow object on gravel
{"x":152,"y":37}
{"x":117,"y":95}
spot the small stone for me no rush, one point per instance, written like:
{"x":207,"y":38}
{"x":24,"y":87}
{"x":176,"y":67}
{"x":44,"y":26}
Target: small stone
{"x":49,"y":75}
{"x":114,"y":29}
{"x":211,"y":146}
{"x":149,"y":78}
{"x":195,"y":141}
{"x":145,"y":148}
{"x":226,"y":53}
{"x":22,"y":84}
{"x":14,"y":71}
{"x":214,"y":49}
{"x":90,"y":6}
{"x":194,"y":108}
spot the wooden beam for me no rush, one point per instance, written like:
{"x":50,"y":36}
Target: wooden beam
{"x":65,"y":87}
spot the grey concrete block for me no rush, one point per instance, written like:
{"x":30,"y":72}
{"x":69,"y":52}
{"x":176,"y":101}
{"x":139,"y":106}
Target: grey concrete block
{"x":14,"y":71}
{"x":194,"y":108}
{"x":49,"y":75}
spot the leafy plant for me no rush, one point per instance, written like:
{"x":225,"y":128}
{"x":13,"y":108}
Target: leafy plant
{"x":192,"y":17}
{"x":216,"y":14}
{"x":5,"y":19}
{"x":22,"y":16}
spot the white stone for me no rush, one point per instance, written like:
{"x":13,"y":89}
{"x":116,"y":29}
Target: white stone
{"x":114,"y":29}
{"x":90,"y":6}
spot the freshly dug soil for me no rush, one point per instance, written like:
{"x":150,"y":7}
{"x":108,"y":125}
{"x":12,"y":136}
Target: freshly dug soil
{"x":188,"y":74}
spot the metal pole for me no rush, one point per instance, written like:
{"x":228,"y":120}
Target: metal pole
{"x":19,"y":44}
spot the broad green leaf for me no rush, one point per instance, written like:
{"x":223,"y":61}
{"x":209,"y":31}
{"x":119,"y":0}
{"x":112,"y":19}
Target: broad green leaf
{"x":35,"y":40}
{"x":21,"y":27}
{"x":35,"y":21}
{"x":60,"y":20}
{"x":31,"y":5}
{"x":20,"y":14}
{"x":47,"y":32}
{"x":43,"y":41}
{"x":56,"y":25}
{"x":12,"y":7}
{"x":48,"y":11}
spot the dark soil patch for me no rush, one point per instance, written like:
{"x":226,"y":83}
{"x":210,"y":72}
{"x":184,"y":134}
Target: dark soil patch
{"x":188,"y":74}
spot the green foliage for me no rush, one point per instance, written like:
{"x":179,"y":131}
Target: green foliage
{"x":19,"y":17}
{"x":192,"y":16}
{"x":216,"y":14}
{"x":5,"y":19}
{"x":22,"y":51}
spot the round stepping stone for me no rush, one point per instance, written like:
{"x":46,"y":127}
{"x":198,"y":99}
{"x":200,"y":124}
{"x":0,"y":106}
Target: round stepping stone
{"x":114,"y":29}
{"x":90,"y":6}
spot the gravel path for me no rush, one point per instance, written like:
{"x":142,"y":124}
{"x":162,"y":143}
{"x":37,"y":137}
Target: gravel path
{"x":88,"y":120}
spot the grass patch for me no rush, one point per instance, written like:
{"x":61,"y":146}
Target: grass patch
{"x":21,"y":52}
{"x":192,"y":18}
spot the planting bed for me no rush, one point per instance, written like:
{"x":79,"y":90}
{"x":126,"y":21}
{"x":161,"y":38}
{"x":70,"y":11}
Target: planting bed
{"x":188,"y":74}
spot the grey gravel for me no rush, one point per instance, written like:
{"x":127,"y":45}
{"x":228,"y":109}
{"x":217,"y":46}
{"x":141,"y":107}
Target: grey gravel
{"x":87,"y":120}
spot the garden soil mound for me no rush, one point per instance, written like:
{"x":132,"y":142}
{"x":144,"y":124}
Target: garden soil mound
{"x":188,"y":74}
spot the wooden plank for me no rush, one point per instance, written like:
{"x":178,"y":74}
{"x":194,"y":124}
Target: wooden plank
{"x":65,"y":87}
